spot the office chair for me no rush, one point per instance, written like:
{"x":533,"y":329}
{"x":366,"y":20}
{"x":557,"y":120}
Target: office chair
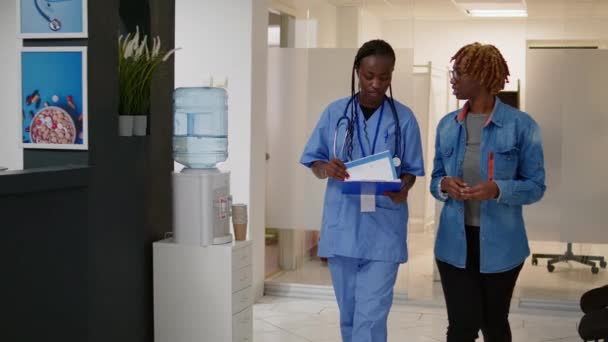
{"x":569,"y":256}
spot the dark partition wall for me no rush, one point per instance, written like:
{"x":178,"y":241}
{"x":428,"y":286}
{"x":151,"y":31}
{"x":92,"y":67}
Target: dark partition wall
{"x":130,"y":187}
{"x":124,"y":206}
{"x":45,"y":285}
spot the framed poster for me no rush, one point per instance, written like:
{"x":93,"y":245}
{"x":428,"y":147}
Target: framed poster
{"x":53,"y":98}
{"x":52,"y":19}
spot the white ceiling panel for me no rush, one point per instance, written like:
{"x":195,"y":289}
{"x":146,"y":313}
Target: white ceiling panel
{"x":448,"y":9}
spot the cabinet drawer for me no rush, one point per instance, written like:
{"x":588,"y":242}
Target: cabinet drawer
{"x":241,"y":257}
{"x":241,"y":300}
{"x":241,"y":278}
{"x":242,"y":326}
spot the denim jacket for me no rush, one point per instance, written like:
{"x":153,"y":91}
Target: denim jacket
{"x":511,"y":155}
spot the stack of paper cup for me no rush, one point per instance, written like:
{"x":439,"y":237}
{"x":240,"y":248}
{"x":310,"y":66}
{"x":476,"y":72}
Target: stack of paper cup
{"x":239,"y":221}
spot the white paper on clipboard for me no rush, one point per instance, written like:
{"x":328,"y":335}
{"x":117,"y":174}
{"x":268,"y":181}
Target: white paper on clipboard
{"x":377,"y":167}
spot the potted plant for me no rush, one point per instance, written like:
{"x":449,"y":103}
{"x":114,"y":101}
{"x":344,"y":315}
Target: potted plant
{"x":137,"y":63}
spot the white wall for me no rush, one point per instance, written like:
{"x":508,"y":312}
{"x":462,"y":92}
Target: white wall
{"x":348,"y":27}
{"x":369,"y":27}
{"x":322,"y":25}
{"x":325,"y":15}
{"x":220,"y":38}
{"x":399,"y":33}
{"x":11,"y":154}
{"x":316,"y":25}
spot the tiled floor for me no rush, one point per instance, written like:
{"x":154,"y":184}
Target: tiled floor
{"x":567,"y":283}
{"x":279,"y":319}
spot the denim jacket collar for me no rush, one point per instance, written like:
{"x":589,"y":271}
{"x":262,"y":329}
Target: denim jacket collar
{"x":496,"y":117}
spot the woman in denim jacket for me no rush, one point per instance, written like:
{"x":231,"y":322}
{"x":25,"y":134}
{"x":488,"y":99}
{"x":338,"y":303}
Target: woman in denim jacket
{"x":488,"y":163}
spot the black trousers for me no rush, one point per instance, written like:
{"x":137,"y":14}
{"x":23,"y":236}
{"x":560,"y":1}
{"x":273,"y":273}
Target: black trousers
{"x":594,"y":324}
{"x":477,"y":301}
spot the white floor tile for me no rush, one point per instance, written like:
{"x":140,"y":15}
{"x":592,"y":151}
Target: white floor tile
{"x":277,"y":336}
{"x":317,"y":333}
{"x":297,"y":320}
{"x":261,"y":326}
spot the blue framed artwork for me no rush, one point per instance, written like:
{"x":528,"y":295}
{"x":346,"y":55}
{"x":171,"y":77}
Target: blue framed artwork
{"x":53,"y":98}
{"x":52,"y":19}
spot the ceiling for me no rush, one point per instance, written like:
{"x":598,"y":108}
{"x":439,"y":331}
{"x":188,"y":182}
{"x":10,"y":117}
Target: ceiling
{"x":447,"y":9}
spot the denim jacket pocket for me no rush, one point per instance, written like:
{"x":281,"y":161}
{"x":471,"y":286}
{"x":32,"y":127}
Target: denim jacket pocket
{"x":446,"y":152}
{"x":446,"y":155}
{"x":506,"y":160}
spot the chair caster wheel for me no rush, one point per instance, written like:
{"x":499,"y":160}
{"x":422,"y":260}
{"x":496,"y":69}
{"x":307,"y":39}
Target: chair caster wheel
{"x":602,"y":264}
{"x":534,"y":262}
{"x":550,"y":268}
{"x":594,"y":270}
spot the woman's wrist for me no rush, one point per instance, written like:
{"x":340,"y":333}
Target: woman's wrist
{"x":319,"y":168}
{"x":441,"y":187}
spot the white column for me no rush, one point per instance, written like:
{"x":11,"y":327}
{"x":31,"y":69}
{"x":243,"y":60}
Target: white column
{"x":228,"y":38}
{"x":11,"y":154}
{"x":258,"y":145}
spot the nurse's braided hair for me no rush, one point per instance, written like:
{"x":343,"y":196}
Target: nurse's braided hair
{"x":483,"y":62}
{"x":376,"y":47}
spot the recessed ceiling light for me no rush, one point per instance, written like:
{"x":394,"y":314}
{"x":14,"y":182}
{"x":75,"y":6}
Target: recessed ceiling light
{"x":497,"y":12}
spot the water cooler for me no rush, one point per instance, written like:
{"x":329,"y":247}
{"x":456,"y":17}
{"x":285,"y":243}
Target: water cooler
{"x":201,"y":192}
{"x":202,"y":278}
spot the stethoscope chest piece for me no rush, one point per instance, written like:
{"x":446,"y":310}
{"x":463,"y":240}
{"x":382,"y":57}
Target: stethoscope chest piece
{"x":55,"y":24}
{"x":397,"y":161}
{"x":45,"y":11}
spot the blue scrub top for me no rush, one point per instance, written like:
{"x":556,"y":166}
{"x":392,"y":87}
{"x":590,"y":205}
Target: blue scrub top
{"x":345,"y":230}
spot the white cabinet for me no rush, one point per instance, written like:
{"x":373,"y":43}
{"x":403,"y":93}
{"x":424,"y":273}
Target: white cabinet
{"x":202,"y":293}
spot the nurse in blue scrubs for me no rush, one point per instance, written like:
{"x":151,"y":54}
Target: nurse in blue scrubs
{"x":365,"y":248}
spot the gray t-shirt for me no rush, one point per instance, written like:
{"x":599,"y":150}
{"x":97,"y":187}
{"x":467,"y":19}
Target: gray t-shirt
{"x":472,"y":165}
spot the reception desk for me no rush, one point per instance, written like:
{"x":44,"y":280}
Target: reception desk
{"x":43,"y":179}
{"x":44,"y":254}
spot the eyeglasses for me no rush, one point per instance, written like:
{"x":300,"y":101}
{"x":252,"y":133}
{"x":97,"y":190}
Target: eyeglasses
{"x":455,"y":74}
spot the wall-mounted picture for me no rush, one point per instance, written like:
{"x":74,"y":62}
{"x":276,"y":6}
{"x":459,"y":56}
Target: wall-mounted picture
{"x":52,"y":18}
{"x":54,"y":98}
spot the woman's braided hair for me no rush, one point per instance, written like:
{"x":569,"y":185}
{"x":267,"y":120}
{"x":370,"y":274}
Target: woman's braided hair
{"x":485,"y":63}
{"x":376,"y":47}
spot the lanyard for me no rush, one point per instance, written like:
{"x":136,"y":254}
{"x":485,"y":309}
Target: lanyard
{"x":377,"y":127}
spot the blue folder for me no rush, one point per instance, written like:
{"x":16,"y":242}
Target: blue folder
{"x":369,"y":187}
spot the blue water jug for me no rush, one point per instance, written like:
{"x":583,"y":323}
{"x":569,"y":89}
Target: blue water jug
{"x":200,"y":126}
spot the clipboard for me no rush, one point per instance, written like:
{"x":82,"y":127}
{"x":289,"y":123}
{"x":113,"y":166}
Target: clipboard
{"x":370,"y":187}
{"x":379,"y":162}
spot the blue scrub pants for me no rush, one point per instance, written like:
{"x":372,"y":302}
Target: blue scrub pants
{"x":364,"y":291}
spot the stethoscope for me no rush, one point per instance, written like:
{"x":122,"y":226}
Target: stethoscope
{"x":344,"y":119}
{"x":54,"y":23}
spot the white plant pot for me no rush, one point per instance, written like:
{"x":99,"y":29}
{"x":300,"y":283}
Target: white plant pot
{"x":140,"y":124}
{"x":125,"y":125}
